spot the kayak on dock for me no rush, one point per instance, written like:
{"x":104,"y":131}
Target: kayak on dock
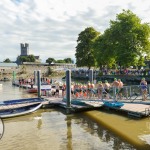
{"x":113,"y":104}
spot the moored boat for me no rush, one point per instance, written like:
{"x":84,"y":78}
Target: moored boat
{"x":20,"y":101}
{"x":12,"y":108}
{"x":15,"y":111}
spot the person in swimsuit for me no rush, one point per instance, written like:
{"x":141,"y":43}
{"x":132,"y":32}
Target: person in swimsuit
{"x":63,"y":90}
{"x":100,"y":89}
{"x":106,"y":89}
{"x":88,"y":89}
{"x":143,"y":85}
{"x":120,"y":87}
{"x":115,"y":86}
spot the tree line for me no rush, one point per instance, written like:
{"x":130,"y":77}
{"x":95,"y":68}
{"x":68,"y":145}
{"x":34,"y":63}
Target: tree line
{"x":31,"y":58}
{"x":125,"y":43}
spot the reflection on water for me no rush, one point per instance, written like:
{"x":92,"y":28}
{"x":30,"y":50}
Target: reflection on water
{"x":50,"y":129}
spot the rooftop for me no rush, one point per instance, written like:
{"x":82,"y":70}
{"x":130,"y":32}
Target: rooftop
{"x":8,"y":65}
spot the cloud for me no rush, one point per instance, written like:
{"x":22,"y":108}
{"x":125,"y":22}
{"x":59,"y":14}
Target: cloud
{"x":51,"y":27}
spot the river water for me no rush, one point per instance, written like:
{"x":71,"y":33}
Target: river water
{"x":52,"y":129}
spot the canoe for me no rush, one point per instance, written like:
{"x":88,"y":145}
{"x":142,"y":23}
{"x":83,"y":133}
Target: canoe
{"x":113,"y":104}
{"x":11,"y":111}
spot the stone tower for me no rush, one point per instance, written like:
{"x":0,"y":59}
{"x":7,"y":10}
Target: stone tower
{"x":24,"y":49}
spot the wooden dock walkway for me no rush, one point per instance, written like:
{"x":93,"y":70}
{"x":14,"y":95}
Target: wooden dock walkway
{"x":136,"y":109}
{"x":76,"y":105}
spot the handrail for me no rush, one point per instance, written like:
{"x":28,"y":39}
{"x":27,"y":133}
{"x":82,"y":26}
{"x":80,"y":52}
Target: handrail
{"x":127,"y":93}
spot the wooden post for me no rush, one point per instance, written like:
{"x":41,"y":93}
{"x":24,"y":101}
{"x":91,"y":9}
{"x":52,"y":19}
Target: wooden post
{"x":68,"y":91}
{"x":39,"y":82}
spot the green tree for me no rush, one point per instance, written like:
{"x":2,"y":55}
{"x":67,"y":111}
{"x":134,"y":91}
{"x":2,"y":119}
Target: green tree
{"x":126,"y":42}
{"x":22,"y":59}
{"x":68,"y":60}
{"x":103,"y":51}
{"x":7,"y":60}
{"x":128,"y":39}
{"x":50,"y":60}
{"x":31,"y":58}
{"x":84,"y":49}
{"x":60,"y":61}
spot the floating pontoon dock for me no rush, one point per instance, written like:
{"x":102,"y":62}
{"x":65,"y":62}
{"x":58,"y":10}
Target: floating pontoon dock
{"x":131,"y":98}
{"x":141,"y":109}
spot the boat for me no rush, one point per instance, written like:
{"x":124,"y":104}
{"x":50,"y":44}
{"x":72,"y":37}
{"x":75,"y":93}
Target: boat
{"x":18,"y":109}
{"x":20,"y":101}
{"x":113,"y":104}
{"x":12,"y":108}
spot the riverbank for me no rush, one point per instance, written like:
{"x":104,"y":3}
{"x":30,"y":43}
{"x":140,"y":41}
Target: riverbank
{"x":29,"y":73}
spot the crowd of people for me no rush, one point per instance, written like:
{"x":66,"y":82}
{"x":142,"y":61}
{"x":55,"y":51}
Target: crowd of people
{"x":98,"y":90}
{"x":102,"y":90}
{"x":125,"y":72}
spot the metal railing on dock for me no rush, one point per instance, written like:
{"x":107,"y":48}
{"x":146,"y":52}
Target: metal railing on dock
{"x":131,"y":93}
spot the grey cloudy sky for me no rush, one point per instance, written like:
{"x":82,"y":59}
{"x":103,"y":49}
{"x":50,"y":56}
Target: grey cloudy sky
{"x":51,"y":27}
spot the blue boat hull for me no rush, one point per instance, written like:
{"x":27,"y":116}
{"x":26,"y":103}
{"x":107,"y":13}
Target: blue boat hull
{"x":21,"y":101}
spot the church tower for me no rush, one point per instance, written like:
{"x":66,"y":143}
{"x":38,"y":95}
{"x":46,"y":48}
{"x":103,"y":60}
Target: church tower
{"x":24,"y":49}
